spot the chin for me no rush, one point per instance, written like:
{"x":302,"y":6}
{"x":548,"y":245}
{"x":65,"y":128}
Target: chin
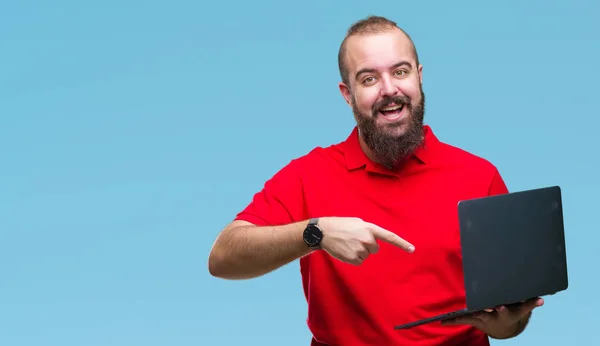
{"x":397,"y":129}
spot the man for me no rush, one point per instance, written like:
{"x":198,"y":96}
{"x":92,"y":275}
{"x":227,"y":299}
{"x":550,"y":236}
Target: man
{"x":373,"y":220}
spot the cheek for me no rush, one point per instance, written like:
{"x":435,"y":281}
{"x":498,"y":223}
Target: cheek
{"x":365,"y":100}
{"x":412,"y":91}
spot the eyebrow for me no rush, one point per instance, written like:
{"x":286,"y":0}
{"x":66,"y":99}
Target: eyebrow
{"x":370,"y":70}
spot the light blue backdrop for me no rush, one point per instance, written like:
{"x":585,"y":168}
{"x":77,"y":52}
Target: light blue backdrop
{"x":131,"y":132}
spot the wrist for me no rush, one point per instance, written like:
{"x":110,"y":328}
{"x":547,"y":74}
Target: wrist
{"x":312,"y":234}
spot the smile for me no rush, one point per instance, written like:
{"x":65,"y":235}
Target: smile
{"x":392,"y":113}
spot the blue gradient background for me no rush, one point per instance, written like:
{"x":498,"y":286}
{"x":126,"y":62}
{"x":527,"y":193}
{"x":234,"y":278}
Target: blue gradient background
{"x":132,"y":132}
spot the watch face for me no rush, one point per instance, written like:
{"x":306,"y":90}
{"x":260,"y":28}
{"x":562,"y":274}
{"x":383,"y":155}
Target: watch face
{"x":312,"y":235}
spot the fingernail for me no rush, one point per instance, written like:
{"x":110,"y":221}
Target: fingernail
{"x":411,"y":248}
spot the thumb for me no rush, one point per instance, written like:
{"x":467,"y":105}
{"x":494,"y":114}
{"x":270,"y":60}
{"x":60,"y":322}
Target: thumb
{"x":392,"y":238}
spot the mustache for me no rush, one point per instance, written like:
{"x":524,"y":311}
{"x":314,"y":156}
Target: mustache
{"x":398,"y":100}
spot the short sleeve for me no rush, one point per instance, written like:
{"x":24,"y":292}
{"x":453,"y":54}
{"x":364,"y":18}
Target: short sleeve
{"x":497,"y":186}
{"x":280,"y":201}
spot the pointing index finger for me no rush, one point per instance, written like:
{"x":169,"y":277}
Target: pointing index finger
{"x":392,"y":238}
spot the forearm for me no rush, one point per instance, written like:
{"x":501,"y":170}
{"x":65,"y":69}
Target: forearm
{"x":244,"y":252}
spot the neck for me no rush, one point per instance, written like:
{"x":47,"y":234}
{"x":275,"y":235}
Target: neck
{"x":397,"y":153}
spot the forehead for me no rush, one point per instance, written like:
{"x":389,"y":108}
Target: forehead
{"x":378,"y":51}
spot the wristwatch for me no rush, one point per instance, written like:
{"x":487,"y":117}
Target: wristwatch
{"x":313,"y":234}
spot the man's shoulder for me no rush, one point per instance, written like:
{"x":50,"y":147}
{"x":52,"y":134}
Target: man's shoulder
{"x":319,"y":155}
{"x":465,"y":158}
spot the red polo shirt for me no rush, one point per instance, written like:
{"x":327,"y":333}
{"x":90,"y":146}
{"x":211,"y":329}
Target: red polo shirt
{"x":360,"y":305}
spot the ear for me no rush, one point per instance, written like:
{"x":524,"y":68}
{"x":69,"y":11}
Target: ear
{"x":421,"y":73}
{"x":345,"y":93}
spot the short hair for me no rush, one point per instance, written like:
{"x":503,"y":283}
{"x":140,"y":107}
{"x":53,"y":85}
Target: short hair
{"x":368,"y":25}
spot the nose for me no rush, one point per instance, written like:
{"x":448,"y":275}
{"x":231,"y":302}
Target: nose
{"x":388,"y":88}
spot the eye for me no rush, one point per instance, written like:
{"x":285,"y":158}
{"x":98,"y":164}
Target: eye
{"x":368,"y":80}
{"x":400,"y":73}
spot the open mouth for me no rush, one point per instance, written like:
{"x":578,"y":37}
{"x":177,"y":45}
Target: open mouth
{"x":392,"y":112}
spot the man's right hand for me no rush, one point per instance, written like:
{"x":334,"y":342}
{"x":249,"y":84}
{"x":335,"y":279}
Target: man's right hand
{"x":352,"y":240}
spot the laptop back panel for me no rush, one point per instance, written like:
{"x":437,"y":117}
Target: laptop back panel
{"x":513,"y":247}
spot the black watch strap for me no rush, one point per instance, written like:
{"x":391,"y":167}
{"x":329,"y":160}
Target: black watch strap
{"x":313,"y":234}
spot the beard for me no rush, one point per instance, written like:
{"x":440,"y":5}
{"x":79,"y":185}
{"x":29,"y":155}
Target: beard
{"x":388,"y":147}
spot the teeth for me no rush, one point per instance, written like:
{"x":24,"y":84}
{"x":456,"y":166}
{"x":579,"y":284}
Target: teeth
{"x":389,"y":109}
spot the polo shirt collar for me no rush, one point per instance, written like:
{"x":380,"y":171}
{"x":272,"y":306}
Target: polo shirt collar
{"x":356,"y":158}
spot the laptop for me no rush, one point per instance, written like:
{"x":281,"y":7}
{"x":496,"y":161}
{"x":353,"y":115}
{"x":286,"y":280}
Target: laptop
{"x":513,"y":250}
